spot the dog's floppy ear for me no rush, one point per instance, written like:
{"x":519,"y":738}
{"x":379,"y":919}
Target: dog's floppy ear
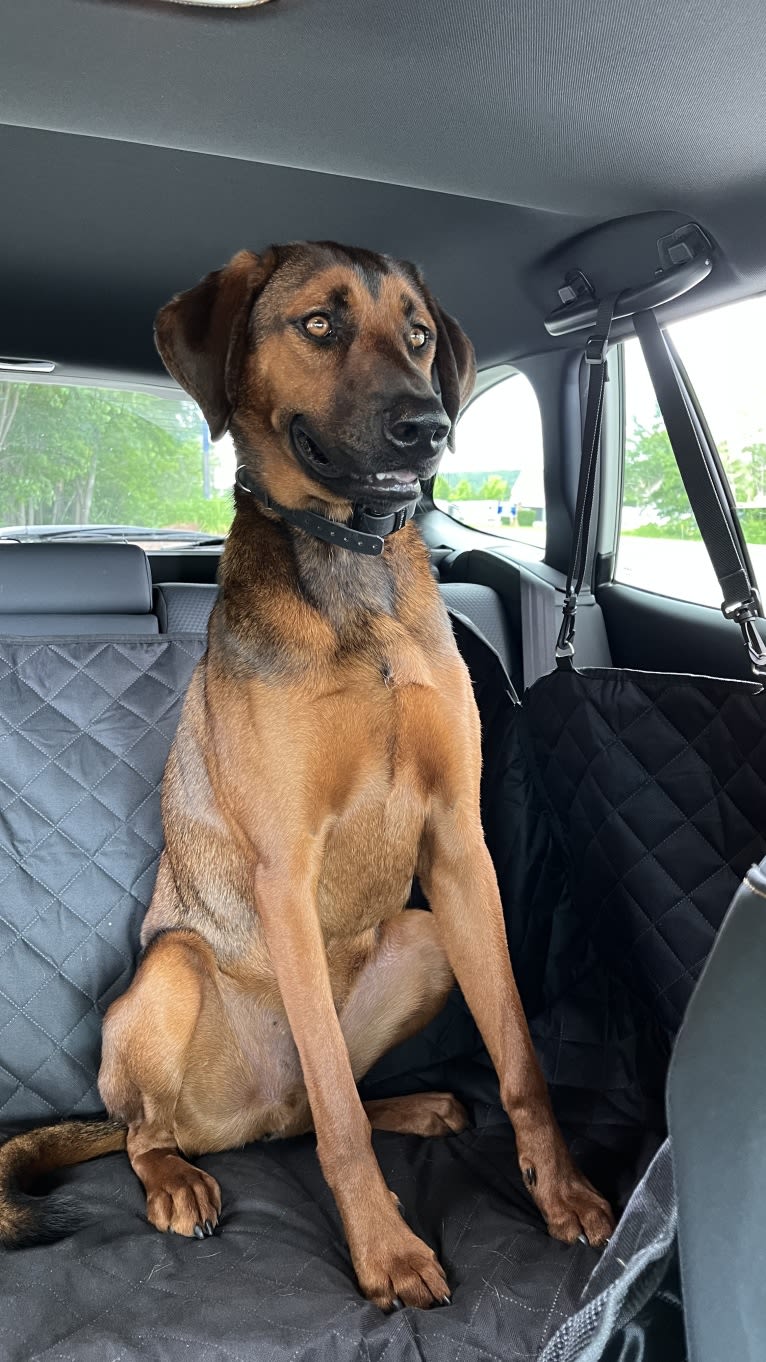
{"x":454,"y":361}
{"x":202,"y":334}
{"x":455,"y":364}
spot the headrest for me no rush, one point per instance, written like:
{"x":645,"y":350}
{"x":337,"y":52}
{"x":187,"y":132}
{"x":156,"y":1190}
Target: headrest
{"x":74,"y":579}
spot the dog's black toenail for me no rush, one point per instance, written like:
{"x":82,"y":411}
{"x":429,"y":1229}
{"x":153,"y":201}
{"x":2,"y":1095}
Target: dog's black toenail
{"x":208,"y":1227}
{"x":396,"y":1304}
{"x":446,"y":1300}
{"x":199,"y":1233}
{"x":530,"y":1177}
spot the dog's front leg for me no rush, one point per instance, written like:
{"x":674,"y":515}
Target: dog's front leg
{"x":391,"y":1263}
{"x":459,"y":879}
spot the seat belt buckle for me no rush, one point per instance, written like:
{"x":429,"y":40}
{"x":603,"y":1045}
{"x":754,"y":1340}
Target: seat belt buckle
{"x":745,"y":613}
{"x":756,"y":648}
{"x":748,"y":609}
{"x":595,"y":351}
{"x":743,"y":610}
{"x":565,"y":640}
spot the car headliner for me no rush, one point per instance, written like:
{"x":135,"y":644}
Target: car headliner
{"x":141,"y":143}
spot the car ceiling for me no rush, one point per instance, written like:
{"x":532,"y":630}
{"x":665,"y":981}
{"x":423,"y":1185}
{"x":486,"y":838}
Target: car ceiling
{"x":141,"y":143}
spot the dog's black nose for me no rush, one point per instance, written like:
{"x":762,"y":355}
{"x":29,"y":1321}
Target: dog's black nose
{"x":417,"y":428}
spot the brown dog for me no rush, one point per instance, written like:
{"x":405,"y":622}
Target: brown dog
{"x":328,"y":751}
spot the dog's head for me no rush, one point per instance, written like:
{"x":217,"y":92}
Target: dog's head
{"x":337,"y":371}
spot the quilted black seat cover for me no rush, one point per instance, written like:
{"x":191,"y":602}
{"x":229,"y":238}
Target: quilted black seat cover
{"x":277,"y":1286}
{"x":658,"y":789}
{"x":85,"y":727}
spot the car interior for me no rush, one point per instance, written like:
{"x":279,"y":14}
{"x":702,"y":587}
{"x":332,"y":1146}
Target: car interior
{"x":535,"y":160}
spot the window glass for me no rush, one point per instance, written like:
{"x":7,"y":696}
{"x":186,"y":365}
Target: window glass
{"x":86,"y":456}
{"x":660,"y":547}
{"x":493,"y":480}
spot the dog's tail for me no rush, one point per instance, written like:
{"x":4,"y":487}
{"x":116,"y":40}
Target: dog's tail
{"x":27,"y":1219}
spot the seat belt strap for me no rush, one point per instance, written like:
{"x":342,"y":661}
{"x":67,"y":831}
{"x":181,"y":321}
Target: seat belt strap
{"x":595,"y":358}
{"x":539,"y":625}
{"x":707,"y":499}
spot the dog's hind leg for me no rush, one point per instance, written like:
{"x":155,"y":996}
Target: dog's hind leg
{"x":400,"y":989}
{"x":148,"y":1035}
{"x":421,"y":1113}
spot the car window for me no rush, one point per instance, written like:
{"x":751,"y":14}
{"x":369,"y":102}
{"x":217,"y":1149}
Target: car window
{"x":493,"y":480}
{"x":72,"y":455}
{"x":660,"y":547}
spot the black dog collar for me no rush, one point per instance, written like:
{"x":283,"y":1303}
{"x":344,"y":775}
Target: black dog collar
{"x":365,"y":534}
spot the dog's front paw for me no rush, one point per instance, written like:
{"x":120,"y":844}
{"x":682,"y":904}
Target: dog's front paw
{"x":570,"y":1204}
{"x":398,"y":1269}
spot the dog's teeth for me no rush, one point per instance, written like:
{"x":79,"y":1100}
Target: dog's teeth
{"x":381,"y":477}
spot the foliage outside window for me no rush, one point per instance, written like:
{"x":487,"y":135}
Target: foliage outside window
{"x":72,"y":455}
{"x":493,"y":480}
{"x":660,"y":545}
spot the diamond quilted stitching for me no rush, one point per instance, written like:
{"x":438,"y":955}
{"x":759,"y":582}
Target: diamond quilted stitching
{"x":150,"y":750}
{"x":83,"y":695}
{"x":660,"y":788}
{"x":26,"y":827}
{"x":18,"y":702}
{"x":86,"y":833}
{"x":57,"y":1005}
{"x":62,"y":1079}
{"x":25,"y":971}
{"x":23,"y":1103}
{"x":86,"y":759}
{"x":127,"y":855}
{"x":55,"y":933}
{"x":52,"y":792}
{"x":119,"y":728}
{"x":123,"y":789}
{"x":45,"y":863}
{"x":689,"y":857}
{"x":21,"y":760}
{"x":20,"y":894}
{"x":85,"y":727}
{"x":92,"y":890}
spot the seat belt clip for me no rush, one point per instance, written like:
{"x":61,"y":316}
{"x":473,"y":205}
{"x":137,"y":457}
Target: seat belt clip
{"x":595,"y":352}
{"x":565,"y":640}
{"x":745,"y":613}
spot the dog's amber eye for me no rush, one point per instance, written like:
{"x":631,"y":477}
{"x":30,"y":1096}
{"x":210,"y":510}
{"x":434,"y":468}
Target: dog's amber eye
{"x":317,"y":326}
{"x":418,"y":337}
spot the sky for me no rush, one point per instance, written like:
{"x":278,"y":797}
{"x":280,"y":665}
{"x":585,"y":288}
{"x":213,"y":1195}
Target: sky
{"x":724,"y":353}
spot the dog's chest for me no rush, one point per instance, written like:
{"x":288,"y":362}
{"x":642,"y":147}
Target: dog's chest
{"x":373,"y":838}
{"x":369,"y":858}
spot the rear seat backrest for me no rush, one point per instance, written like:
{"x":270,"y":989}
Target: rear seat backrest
{"x":484,"y":608}
{"x":75,"y":589}
{"x":184,"y":608}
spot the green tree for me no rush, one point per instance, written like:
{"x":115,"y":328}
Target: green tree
{"x":756,"y":472}
{"x":463,"y":491}
{"x":652,"y":480}
{"x":495,"y":488}
{"x":442,"y":489}
{"x":82,"y":455}
{"x":740,"y":476}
